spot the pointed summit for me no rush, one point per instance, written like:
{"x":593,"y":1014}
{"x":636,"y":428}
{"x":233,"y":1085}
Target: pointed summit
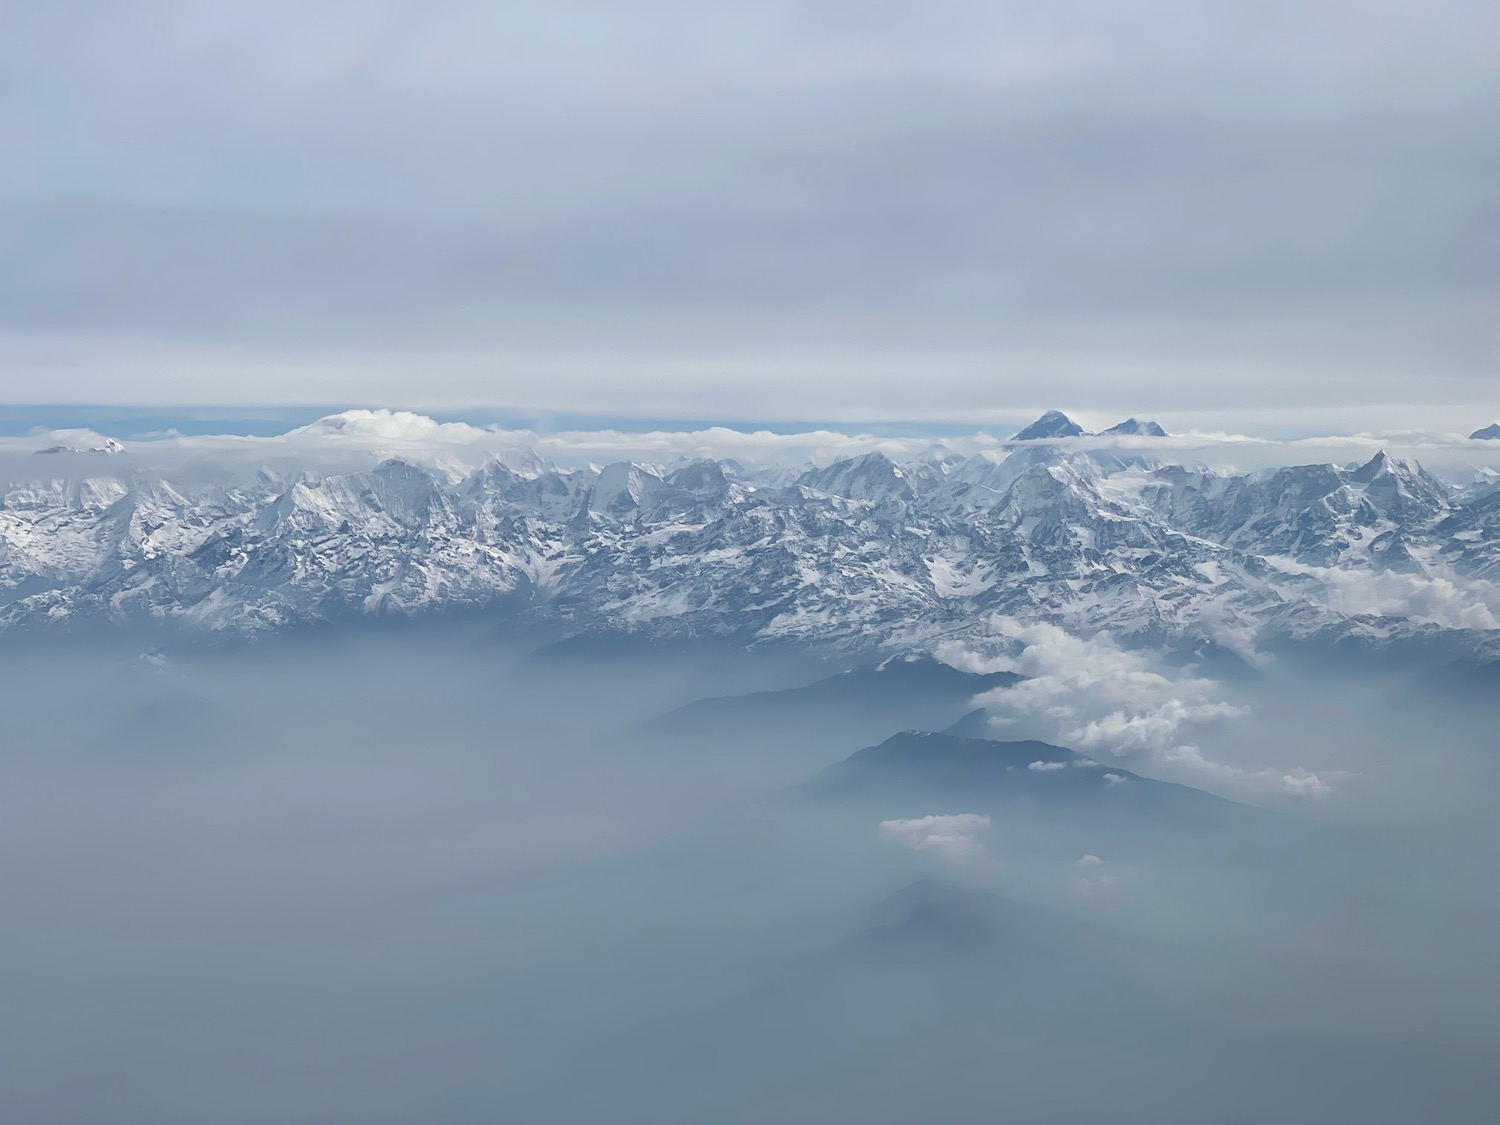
{"x":1371,"y":468}
{"x":528,"y":462}
{"x":939,"y":458}
{"x":1053,"y":424}
{"x":1489,"y":433}
{"x":1135,"y":428}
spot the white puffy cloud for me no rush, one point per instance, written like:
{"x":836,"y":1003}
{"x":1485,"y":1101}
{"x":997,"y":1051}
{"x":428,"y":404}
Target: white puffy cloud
{"x":1095,"y":696}
{"x":1092,"y":695}
{"x":1045,"y":767}
{"x":954,"y":836}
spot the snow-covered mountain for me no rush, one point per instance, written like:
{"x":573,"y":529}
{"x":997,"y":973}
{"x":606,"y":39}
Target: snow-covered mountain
{"x":1053,"y":424}
{"x":1134,"y":427}
{"x":861,"y":553}
{"x":108,"y":445}
{"x":1056,"y":424}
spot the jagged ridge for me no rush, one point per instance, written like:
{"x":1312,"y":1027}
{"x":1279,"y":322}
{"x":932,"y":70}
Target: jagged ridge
{"x":863,"y":553}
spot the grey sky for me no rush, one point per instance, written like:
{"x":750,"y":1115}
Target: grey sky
{"x":816,"y":210}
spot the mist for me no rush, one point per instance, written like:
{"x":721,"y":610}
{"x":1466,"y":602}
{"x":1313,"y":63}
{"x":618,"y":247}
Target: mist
{"x":449,"y":874}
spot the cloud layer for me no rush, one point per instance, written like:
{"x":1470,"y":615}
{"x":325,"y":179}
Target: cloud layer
{"x":357,"y":437}
{"x":813,"y":210}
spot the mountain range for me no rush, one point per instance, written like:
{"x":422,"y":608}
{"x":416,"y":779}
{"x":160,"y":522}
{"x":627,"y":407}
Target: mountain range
{"x":864,"y":554}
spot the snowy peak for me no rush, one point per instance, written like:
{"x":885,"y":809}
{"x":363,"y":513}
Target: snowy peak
{"x":528,"y":463}
{"x":404,"y":492}
{"x":1053,"y":424}
{"x":1133,"y":427}
{"x":939,"y":456}
{"x":1488,"y":433}
{"x":1372,"y":468}
{"x":623,"y":489}
{"x":1407,"y":476}
{"x":701,"y":478}
{"x":1400,"y":490}
{"x":937,"y":461}
{"x":108,"y":446}
{"x":872,"y":477}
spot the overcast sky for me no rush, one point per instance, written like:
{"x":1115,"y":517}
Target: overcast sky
{"x":833,"y":210}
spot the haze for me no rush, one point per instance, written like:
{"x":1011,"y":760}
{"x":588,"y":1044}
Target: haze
{"x":435,"y":875}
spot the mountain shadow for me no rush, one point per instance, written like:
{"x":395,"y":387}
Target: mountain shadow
{"x":860,"y":703}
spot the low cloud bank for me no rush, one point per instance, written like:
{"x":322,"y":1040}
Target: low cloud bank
{"x":355,"y":437}
{"x":1429,"y":598}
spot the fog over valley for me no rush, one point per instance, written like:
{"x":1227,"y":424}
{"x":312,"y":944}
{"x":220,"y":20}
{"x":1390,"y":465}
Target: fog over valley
{"x":444,"y":872}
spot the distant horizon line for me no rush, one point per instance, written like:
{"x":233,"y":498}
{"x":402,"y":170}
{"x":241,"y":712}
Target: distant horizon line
{"x":146,"y":421}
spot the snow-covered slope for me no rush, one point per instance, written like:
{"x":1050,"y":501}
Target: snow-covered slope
{"x":1134,"y":427}
{"x":861,"y":553}
{"x":1053,"y":424}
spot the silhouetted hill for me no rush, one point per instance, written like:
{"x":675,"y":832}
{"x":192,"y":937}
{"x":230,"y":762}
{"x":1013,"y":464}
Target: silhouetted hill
{"x":917,"y":773}
{"x":896,"y":692}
